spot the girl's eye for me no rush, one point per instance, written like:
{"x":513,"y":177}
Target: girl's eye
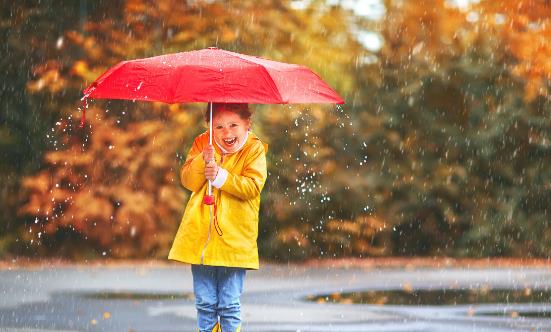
{"x":218,"y":127}
{"x":233,"y":125}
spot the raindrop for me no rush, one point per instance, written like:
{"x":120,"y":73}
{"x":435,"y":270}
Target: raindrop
{"x":59,"y":42}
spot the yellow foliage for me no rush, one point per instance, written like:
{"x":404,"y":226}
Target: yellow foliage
{"x":358,"y":233}
{"x":525,"y":28}
{"x":119,"y":191}
{"x":49,"y":79}
{"x":80,"y":68}
{"x":434,"y":31}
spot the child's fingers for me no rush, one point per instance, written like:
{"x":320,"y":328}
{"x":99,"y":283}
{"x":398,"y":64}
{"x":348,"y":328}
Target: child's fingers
{"x":208,"y":152}
{"x":211,"y":170}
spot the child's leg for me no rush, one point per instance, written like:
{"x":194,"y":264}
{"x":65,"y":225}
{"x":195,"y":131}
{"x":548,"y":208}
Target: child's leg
{"x":206,"y":297}
{"x":230,"y":287}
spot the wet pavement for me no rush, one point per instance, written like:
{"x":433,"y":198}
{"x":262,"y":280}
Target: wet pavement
{"x":73,"y":298}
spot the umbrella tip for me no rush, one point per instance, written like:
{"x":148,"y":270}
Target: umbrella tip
{"x":213,"y":48}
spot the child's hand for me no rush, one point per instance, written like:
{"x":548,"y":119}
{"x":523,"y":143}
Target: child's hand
{"x":211,"y":170}
{"x":208,"y":153}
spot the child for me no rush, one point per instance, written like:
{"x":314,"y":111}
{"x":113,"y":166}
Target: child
{"x":222,"y":246}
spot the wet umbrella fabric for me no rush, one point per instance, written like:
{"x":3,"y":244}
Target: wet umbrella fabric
{"x":211,"y":75}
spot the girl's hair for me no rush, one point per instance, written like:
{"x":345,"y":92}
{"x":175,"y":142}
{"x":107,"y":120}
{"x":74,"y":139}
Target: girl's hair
{"x":240,"y":109}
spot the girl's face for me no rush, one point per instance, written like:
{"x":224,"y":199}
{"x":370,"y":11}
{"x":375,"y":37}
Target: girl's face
{"x":229,"y":129}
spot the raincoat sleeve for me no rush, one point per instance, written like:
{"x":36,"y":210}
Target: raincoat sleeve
{"x":192,"y":173}
{"x":249,"y":183}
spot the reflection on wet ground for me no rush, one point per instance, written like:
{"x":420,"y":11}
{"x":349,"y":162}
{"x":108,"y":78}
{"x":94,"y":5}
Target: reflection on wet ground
{"x":408,"y":296}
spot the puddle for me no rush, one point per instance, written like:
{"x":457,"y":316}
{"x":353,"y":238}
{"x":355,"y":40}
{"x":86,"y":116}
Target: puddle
{"x":515,"y":314}
{"x":438,"y":296}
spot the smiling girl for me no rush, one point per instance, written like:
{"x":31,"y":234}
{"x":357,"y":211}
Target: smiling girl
{"x":221,"y":248}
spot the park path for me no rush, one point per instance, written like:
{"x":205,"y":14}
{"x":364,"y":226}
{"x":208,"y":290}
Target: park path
{"x":52,"y":298}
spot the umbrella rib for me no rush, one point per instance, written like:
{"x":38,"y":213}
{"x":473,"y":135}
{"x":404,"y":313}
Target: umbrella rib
{"x":245,"y":57}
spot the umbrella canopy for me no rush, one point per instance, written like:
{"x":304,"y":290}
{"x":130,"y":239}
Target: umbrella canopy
{"x":212,"y":75}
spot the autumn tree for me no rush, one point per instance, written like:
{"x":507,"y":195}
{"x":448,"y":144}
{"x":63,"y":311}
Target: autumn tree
{"x":458,"y":160}
{"x":113,"y":185}
{"x":32,"y":35}
{"x":441,"y":149}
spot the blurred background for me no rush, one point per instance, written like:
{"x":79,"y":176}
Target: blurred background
{"x":443,"y":147}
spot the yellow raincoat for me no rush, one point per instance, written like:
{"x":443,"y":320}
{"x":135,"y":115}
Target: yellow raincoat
{"x":237,"y":202}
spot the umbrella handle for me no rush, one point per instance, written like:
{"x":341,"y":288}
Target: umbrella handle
{"x":209,"y":198}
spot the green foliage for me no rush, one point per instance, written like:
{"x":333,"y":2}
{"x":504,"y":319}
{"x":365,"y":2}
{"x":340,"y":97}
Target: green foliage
{"x":28,"y":32}
{"x":462,"y":153}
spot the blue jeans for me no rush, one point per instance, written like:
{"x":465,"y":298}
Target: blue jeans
{"x":217,"y":296}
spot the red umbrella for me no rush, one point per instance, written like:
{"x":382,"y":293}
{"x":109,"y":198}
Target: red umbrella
{"x":210,"y":75}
